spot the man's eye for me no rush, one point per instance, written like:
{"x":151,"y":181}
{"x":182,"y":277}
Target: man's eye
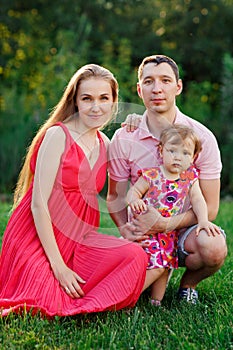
{"x":148,"y":81}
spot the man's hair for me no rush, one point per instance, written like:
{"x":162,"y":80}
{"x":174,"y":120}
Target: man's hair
{"x":157,"y":59}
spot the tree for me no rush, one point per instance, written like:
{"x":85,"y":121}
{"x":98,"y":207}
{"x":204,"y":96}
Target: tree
{"x":43,"y":43}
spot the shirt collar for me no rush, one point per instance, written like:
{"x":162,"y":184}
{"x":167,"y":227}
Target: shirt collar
{"x":144,"y":132}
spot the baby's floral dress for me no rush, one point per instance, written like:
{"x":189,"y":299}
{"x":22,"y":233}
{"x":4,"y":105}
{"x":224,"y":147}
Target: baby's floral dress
{"x":168,"y":197}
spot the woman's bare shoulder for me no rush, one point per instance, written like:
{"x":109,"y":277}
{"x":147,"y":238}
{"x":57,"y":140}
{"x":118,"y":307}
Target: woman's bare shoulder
{"x":55,"y":132}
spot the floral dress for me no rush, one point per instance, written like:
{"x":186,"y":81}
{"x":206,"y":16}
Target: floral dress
{"x":168,"y":197}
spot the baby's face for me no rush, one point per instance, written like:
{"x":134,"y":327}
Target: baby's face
{"x":177,"y":156}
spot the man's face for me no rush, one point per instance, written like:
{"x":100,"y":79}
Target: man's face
{"x":158,"y":87}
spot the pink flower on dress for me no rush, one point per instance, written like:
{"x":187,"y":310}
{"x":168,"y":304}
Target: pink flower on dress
{"x":166,"y":242}
{"x":155,"y":260}
{"x":165,"y":213}
{"x":153,"y":246}
{"x":170,"y":198}
{"x":154,"y":193}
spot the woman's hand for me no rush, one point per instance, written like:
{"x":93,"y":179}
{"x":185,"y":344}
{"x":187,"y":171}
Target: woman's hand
{"x":69,"y":280}
{"x":132,"y":122}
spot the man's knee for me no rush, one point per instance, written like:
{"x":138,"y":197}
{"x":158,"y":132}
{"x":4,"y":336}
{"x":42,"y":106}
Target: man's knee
{"x":212,"y":250}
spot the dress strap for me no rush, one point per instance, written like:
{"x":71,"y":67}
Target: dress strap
{"x":66,"y":131}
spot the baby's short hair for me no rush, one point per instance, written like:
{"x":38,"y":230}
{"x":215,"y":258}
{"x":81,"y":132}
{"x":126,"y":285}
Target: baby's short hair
{"x":181,"y":132}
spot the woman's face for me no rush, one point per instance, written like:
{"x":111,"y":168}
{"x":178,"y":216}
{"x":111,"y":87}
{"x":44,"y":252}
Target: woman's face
{"x":95,"y":102}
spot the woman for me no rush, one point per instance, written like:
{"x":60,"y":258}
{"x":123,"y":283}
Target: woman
{"x":53,"y":259}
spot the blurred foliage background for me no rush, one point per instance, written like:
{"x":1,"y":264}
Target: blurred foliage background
{"x":43,"y":43}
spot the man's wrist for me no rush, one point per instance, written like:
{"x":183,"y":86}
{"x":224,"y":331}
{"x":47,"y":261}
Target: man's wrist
{"x":173,"y":222}
{"x":164,"y":224}
{"x":122,"y":230}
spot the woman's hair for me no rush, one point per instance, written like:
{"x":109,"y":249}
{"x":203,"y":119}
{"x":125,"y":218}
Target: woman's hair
{"x":65,"y":108}
{"x":179,"y":133}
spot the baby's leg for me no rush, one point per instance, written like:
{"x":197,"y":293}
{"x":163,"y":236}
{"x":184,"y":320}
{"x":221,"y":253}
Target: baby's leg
{"x":152,"y":275}
{"x":158,"y":288}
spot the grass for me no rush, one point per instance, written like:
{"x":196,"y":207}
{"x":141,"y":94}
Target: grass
{"x":205,"y":326}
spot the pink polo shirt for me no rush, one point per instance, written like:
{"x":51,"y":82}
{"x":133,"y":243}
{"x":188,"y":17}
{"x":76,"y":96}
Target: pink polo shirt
{"x":131,"y":151}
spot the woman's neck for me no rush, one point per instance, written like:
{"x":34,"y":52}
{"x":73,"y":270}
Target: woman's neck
{"x":75,"y":126}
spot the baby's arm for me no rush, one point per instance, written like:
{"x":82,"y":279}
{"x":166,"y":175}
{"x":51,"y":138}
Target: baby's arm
{"x":135,"y":194}
{"x":200,"y":209}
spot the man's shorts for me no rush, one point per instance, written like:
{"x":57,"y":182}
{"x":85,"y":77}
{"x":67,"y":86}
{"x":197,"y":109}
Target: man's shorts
{"x":182,"y":254}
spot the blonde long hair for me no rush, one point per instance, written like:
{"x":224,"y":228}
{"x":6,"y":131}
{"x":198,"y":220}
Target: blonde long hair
{"x":65,"y":108}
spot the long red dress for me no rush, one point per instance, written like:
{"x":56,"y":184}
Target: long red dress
{"x":114,"y":269}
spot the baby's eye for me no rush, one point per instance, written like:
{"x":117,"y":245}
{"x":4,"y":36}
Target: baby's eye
{"x":186,"y":153}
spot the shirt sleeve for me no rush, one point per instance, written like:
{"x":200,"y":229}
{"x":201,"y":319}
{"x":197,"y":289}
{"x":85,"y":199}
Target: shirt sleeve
{"x":118,"y":157}
{"x":208,"y":161}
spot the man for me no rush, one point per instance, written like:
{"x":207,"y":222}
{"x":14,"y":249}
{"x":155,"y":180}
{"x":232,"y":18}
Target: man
{"x":203,"y":255}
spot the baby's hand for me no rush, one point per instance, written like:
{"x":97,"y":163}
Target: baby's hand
{"x":209,"y":227}
{"x":138,"y":206}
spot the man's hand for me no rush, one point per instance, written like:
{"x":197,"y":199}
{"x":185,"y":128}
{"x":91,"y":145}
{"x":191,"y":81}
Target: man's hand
{"x":149,"y":222}
{"x":127,"y":231}
{"x":132,"y":122}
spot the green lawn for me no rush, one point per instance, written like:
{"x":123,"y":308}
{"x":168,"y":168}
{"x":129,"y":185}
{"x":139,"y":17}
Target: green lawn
{"x":208,"y":325}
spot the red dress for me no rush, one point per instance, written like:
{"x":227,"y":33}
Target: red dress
{"x":114,"y":269}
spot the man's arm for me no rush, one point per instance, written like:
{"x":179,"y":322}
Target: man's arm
{"x":152,"y":221}
{"x":211,"y":192}
{"x":200,"y":209}
{"x":116,"y":202}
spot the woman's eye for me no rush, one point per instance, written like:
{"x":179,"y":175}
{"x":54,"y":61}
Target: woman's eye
{"x":104,"y":98}
{"x":86,"y":98}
